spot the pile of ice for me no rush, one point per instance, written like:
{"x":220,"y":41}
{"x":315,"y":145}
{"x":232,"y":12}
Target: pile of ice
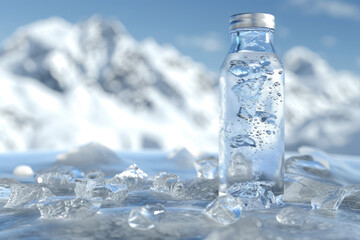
{"x":66,"y":192}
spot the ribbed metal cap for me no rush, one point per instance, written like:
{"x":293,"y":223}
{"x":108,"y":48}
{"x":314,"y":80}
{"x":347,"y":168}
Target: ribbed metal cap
{"x":246,"y":20}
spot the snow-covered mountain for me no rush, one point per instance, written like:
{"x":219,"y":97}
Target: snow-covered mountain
{"x":66,"y":84}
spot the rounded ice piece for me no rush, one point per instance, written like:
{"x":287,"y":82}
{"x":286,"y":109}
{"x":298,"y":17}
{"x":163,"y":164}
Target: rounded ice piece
{"x":23,"y":171}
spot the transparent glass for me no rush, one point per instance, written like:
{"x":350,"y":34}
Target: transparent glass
{"x":251,"y":138}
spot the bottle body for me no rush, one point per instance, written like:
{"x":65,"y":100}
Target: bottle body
{"x":251,"y":138}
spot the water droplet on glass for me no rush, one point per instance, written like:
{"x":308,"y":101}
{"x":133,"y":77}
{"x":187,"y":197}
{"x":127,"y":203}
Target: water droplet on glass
{"x":280,"y":71}
{"x":268,"y":132}
{"x":279,"y":94}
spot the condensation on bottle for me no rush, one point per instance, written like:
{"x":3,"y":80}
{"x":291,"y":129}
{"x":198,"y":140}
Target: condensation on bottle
{"x":251,"y":138}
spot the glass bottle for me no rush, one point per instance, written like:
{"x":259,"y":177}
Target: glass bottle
{"x":251,"y":138}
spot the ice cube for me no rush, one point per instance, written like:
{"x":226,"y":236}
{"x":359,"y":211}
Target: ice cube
{"x":239,"y":68}
{"x":58,"y":176}
{"x":88,"y":188}
{"x":146,"y":217}
{"x":207,"y":167}
{"x":182,"y":158}
{"x":26,"y":195}
{"x":67,"y":208}
{"x":87,"y":155}
{"x":254,"y":195}
{"x":168,"y":183}
{"x":242,"y":141}
{"x":133,"y":177}
{"x":329,"y":199}
{"x":94,"y":174}
{"x":225,"y":209}
{"x":292,"y":216}
{"x":240,"y":168}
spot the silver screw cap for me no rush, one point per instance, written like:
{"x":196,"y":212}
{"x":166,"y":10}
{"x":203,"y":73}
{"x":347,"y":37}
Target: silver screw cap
{"x":248,"y":20}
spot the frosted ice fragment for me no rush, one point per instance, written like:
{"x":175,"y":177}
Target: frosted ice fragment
{"x":26,"y":195}
{"x":67,"y":208}
{"x":225,"y":210}
{"x":63,"y":175}
{"x":146,"y":217}
{"x":99,"y":189}
{"x":133,"y":177}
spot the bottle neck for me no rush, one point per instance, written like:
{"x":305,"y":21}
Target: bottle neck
{"x":252,"y":39}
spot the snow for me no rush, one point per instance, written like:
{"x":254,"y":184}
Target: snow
{"x":64,"y":85}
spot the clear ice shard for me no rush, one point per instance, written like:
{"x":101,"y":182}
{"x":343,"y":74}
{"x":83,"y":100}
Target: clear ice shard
{"x":225,"y":209}
{"x":133,"y":177}
{"x":250,"y":88}
{"x":88,"y":188}
{"x":292,"y":216}
{"x":58,"y":176}
{"x":306,"y":177}
{"x":90,"y":154}
{"x":242,"y":141}
{"x":26,"y":195}
{"x":239,"y":68}
{"x":168,"y":183}
{"x":146,"y":217}
{"x":94,"y":174}
{"x":305,"y":164}
{"x":318,"y":155}
{"x":329,"y":199}
{"x":67,"y":208}
{"x":207,"y":167}
{"x":254,"y":195}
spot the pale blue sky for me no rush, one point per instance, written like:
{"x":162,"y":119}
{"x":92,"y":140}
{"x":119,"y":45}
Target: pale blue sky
{"x":199,"y":28}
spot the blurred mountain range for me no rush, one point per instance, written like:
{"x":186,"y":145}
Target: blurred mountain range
{"x":66,"y":84}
